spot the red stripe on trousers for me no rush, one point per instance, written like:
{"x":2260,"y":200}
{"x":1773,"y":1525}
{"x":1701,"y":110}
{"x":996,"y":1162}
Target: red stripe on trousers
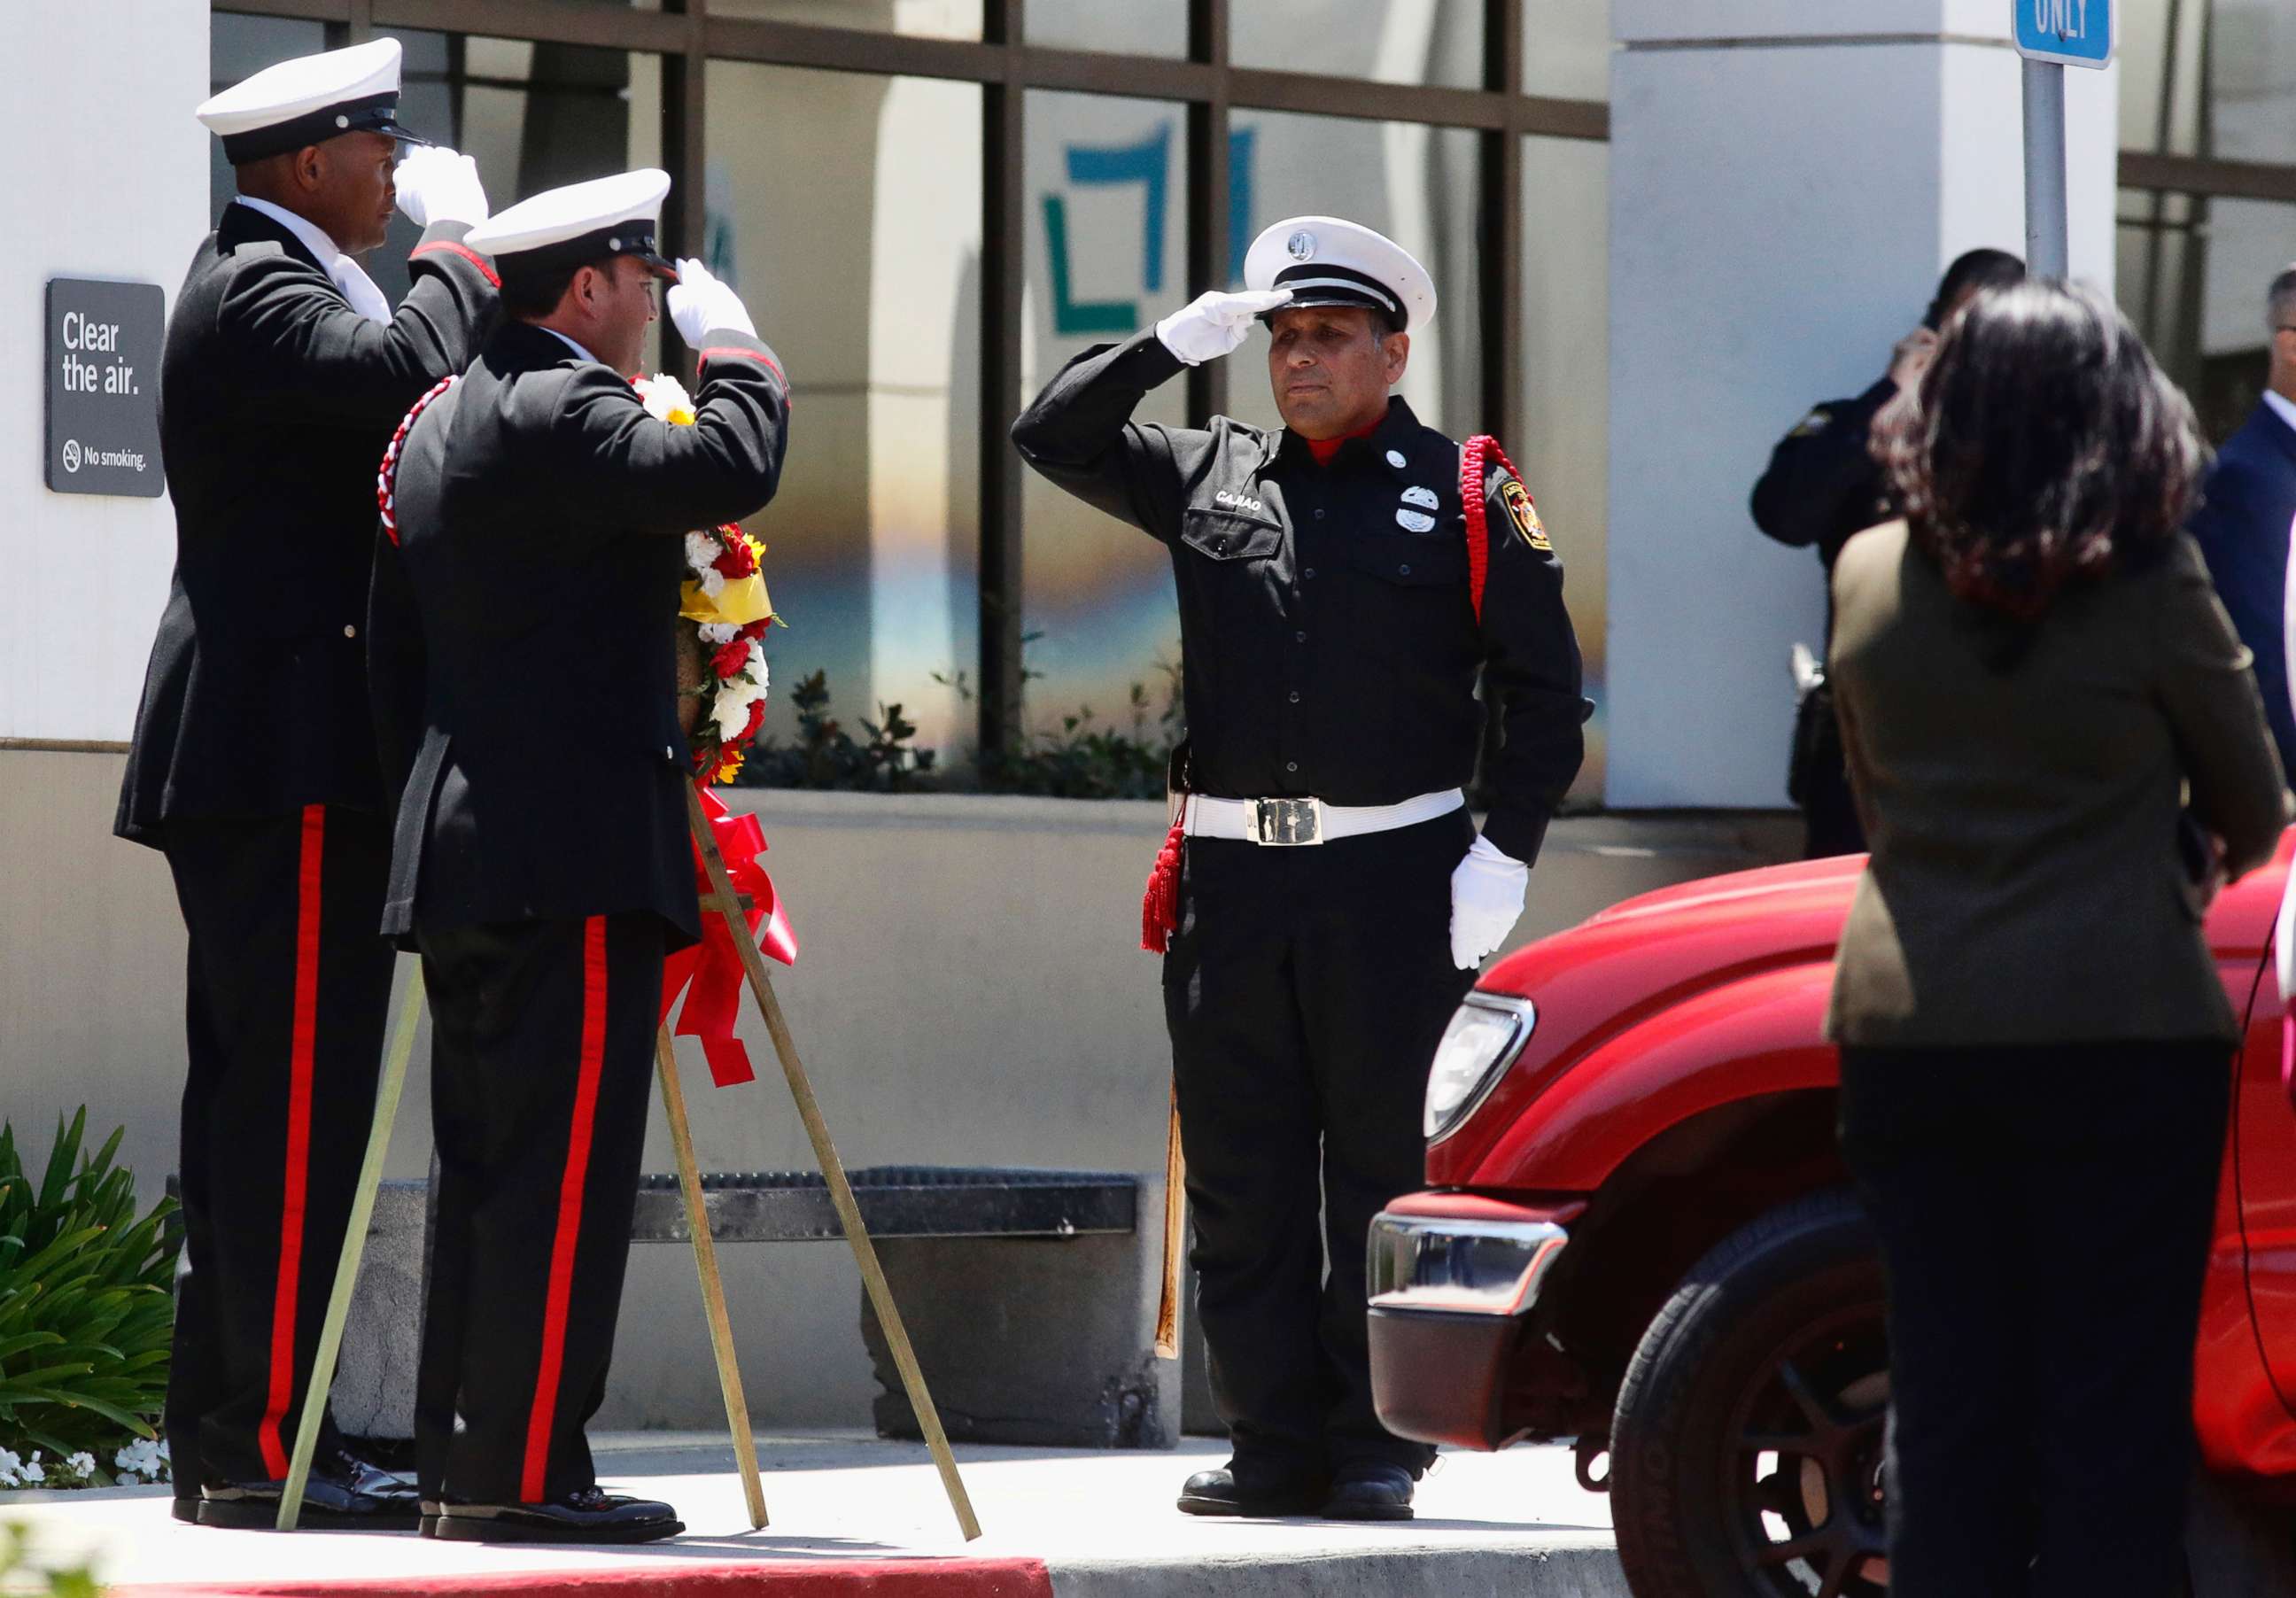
{"x":570,"y":1210}
{"x":308,"y":879}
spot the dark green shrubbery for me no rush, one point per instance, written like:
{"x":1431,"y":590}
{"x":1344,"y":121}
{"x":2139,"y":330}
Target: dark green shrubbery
{"x":86,"y":1311}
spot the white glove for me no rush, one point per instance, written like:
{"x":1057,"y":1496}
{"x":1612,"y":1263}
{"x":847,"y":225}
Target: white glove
{"x":435,"y":185}
{"x":1211,"y":326}
{"x":1487,"y":894}
{"x":699,"y":302}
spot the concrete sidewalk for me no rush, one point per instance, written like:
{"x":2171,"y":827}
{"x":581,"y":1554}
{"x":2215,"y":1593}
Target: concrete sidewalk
{"x":854,"y":1515}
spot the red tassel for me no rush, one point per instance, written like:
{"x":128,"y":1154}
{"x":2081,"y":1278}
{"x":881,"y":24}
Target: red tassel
{"x":1159,"y":906}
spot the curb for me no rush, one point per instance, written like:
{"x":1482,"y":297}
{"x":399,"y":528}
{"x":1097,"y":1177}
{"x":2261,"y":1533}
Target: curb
{"x":1567,"y":1572}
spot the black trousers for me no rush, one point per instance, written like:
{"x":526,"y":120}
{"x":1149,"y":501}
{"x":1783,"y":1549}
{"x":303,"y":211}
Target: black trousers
{"x":1830,"y":823}
{"x":287,"y":986}
{"x":1306,"y":990}
{"x":2046,"y":1216}
{"x":541,"y":1062}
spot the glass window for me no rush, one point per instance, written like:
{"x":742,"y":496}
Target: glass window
{"x":925,"y":19}
{"x":1566,"y":48}
{"x":1387,"y":41}
{"x":2193,"y":272}
{"x":846,"y":208}
{"x":1136,"y":27}
{"x":1107,"y":222}
{"x":1564,"y":448}
{"x":1417,"y":185}
{"x":2209,"y":77}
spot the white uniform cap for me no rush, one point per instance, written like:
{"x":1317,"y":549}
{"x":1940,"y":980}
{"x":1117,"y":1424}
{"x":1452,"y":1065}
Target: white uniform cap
{"x":581,"y":223}
{"x":309,"y":101}
{"x":1327,"y":260}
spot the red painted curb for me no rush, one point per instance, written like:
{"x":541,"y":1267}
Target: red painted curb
{"x":667,"y":1579}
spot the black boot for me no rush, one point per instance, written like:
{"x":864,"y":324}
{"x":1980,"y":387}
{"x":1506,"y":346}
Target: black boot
{"x":588,"y":1514}
{"x":1250,"y":1492}
{"x":1369,"y":1491}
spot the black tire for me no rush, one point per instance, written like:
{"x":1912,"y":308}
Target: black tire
{"x":1746,"y":1446}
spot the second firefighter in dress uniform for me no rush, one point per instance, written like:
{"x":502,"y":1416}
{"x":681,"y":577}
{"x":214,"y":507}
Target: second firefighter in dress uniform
{"x":527,"y":617}
{"x":1334,"y":897}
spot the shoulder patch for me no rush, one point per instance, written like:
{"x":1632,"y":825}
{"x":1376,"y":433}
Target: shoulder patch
{"x":1525,"y":514}
{"x":1816,"y":421}
{"x":255,"y":249}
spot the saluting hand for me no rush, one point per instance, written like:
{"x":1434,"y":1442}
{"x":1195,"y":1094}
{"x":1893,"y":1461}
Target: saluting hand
{"x":698,"y":302}
{"x":435,"y":185}
{"x":1911,"y":358}
{"x":1214,"y":325}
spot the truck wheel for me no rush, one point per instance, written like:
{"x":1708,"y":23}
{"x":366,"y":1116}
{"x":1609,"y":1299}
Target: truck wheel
{"x":1746,"y":1447}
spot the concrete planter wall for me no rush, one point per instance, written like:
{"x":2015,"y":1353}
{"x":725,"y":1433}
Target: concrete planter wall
{"x":970,"y":992}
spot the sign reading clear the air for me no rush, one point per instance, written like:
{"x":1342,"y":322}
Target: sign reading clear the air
{"x":103,"y":387}
{"x":2075,"y":33}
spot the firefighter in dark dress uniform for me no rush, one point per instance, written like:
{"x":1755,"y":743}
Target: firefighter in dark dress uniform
{"x":525,"y":619}
{"x":1334,"y":897}
{"x":254,"y":767}
{"x":1823,"y":485}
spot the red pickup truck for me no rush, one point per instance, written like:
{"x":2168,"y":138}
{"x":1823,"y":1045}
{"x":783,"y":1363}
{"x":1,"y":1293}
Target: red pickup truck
{"x":1638,"y":1233}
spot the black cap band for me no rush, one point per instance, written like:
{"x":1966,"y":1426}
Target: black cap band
{"x":633,"y":237}
{"x":374,"y":113}
{"x":1313,"y":283}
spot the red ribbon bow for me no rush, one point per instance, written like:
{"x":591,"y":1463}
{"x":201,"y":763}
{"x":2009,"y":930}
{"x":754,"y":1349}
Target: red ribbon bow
{"x":714,"y":965}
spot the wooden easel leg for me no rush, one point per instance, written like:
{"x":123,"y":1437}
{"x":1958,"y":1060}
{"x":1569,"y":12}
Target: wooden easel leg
{"x":713,"y":1285}
{"x":346,"y":1268}
{"x":727,"y":903}
{"x":1175,"y":1225}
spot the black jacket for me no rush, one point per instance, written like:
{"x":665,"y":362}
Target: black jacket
{"x":275,"y":402}
{"x":1331,"y":648}
{"x":2243,"y":528}
{"x":523,"y":633}
{"x":1823,"y":484}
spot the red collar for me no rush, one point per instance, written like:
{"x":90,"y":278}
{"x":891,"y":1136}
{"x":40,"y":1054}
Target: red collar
{"x":1323,"y":449}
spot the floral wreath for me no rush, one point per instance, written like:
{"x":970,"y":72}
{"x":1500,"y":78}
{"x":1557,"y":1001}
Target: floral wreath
{"x":724,"y":606}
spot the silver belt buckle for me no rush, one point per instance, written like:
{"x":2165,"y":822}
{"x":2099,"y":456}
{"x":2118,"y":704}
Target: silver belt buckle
{"x":1285,"y":821}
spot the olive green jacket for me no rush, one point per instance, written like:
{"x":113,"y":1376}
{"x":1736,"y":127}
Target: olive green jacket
{"x":2027,"y":885}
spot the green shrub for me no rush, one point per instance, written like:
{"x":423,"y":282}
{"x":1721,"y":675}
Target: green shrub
{"x":86,"y":1311}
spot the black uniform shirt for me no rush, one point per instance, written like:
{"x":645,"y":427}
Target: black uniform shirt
{"x":1823,"y":484}
{"x":1331,"y":642}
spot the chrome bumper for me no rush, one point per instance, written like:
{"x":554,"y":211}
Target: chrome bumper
{"x":1462,"y":1265}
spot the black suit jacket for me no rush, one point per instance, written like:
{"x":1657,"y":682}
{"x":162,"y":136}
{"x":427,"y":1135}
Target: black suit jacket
{"x":524,"y":631}
{"x":275,"y":402}
{"x":2243,"y":531}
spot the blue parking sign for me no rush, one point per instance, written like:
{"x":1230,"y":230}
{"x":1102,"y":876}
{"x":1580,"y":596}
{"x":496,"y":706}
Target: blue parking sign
{"x":2075,"y":33}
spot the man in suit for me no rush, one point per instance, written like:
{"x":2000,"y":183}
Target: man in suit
{"x":253,"y":766}
{"x":532,"y":601}
{"x":2245,"y":510}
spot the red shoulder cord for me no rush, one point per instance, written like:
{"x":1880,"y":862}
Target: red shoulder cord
{"x":386,"y":479}
{"x":1473,"y":496}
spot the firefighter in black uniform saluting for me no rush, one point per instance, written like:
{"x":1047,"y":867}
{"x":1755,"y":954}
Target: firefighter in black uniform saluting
{"x":1335,"y":899}
{"x":527,"y":616}
{"x":1823,"y":485}
{"x":254,"y":760}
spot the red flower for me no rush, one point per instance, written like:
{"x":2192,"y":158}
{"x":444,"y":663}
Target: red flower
{"x":757,"y":720}
{"x":734,"y":559}
{"x":731,"y":659}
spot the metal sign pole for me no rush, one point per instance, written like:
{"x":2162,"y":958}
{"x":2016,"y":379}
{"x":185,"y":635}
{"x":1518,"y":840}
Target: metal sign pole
{"x":2047,"y":252}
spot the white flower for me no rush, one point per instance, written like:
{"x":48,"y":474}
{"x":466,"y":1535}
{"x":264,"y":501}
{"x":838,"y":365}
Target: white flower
{"x":712,"y":581}
{"x":701,"y":551}
{"x":757,"y":669}
{"x":81,"y":1464}
{"x":35,"y":1471}
{"x":663,"y":394}
{"x":141,"y":1457}
{"x":731,"y":713}
{"x":12,"y":1468}
{"x":717,"y":633}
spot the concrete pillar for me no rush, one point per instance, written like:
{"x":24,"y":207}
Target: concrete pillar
{"x":1787,"y":182}
{"x":109,"y":176}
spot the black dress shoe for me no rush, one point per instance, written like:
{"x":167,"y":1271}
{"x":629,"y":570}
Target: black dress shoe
{"x":589,"y":1514}
{"x":330,"y":1503}
{"x":1218,"y":1493}
{"x":1370,"y":1492}
{"x":186,"y":1510}
{"x":370,"y":1478}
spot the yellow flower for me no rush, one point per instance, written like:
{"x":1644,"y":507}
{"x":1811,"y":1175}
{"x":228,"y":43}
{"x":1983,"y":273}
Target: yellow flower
{"x":729,"y":769}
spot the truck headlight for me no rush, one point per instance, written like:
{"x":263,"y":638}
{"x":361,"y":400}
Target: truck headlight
{"x":1482,"y":1040}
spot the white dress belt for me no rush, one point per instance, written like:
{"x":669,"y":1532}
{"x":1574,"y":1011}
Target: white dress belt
{"x":1295,"y":821}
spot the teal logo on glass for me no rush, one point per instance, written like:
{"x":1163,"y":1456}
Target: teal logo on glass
{"x":2073,"y":33}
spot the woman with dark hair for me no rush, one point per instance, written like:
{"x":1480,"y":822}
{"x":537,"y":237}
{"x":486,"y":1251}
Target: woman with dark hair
{"x":2059,"y":754}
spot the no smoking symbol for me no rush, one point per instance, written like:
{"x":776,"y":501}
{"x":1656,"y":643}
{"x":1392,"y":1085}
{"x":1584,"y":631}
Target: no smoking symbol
{"x":71,"y":455}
